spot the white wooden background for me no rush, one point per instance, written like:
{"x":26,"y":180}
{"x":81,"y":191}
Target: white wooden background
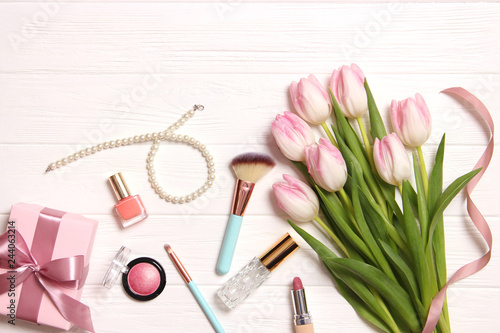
{"x":74,"y":73}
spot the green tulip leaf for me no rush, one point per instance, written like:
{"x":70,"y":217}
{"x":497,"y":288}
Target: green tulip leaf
{"x":395,"y":296}
{"x":358,"y":304}
{"x":341,"y":219}
{"x":446,"y":197}
{"x":417,"y":249}
{"x":366,"y":233}
{"x":423,"y":214}
{"x":435,"y":190}
{"x":407,"y":278}
{"x":377,"y":127}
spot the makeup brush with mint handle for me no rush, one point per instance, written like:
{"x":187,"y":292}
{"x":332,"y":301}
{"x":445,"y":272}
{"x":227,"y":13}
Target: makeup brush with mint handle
{"x":249,"y":168}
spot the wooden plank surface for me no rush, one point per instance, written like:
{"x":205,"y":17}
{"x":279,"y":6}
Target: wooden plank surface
{"x":74,"y":73}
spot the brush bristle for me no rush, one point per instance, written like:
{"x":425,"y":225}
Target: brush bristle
{"x":252,"y":166}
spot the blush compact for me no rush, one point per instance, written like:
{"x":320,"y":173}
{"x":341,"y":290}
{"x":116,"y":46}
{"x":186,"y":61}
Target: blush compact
{"x":143,"y":278}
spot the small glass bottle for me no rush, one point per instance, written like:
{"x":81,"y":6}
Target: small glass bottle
{"x":250,"y":277}
{"x":129,"y":208}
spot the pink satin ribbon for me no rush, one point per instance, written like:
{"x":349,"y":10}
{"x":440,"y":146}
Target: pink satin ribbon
{"x":474,"y":213}
{"x":41,"y":274}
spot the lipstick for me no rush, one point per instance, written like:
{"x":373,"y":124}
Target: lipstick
{"x":302,"y":318}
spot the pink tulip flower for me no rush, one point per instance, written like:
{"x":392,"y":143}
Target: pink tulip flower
{"x":391,"y":159}
{"x":347,"y":85}
{"x":296,"y":199}
{"x":411,"y":121}
{"x":326,"y":165}
{"x":310,"y":100}
{"x":292,"y":134}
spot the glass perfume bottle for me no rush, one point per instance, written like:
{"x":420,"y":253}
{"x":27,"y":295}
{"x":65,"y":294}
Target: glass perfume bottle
{"x":250,"y":277}
{"x":129,"y":208}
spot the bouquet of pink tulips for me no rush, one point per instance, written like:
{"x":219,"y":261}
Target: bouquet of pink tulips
{"x":392,"y":252}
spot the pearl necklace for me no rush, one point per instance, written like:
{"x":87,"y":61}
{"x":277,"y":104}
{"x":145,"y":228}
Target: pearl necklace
{"x":168,"y":134}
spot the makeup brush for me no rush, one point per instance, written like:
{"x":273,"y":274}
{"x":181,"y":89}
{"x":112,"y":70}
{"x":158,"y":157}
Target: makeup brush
{"x":249,"y":168}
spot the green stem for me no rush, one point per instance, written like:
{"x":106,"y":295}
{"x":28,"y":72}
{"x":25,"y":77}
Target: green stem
{"x":423,"y":170}
{"x":368,"y":148}
{"x":332,"y":235}
{"x":391,"y":323}
{"x":350,"y":209}
{"x":346,"y":200}
{"x":330,"y":135}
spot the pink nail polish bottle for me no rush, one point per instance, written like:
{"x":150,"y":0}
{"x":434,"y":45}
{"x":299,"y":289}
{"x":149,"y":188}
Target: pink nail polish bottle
{"x":129,"y":208}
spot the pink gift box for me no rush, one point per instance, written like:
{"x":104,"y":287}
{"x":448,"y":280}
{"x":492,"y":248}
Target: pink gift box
{"x":71,"y":235}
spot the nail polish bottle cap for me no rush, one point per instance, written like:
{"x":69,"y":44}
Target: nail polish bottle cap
{"x":118,"y":266}
{"x":277,"y":253}
{"x":119,"y":186}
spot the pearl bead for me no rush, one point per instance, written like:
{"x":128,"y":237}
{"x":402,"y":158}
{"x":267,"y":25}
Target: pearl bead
{"x":205,"y":187}
{"x":76,"y":156}
{"x":209,"y":158}
{"x":212,"y":176}
{"x":194,"y":195}
{"x":161,"y":135}
{"x":155,"y":146}
{"x":94,"y":149}
{"x":142,"y":138}
{"x":186,"y":138}
{"x":52,"y":166}
{"x":118,"y":142}
{"x":175,"y":199}
{"x":182,"y":200}
{"x":83,"y":153}
{"x":64,"y":161}
{"x":100,"y":147}
{"x":70,"y":158}
{"x":105,"y":145}
{"x":152,"y":178}
{"x":154,"y":135}
{"x":150,"y":166}
{"x":162,"y":194}
{"x":168,"y":197}
{"x":191,"y":113}
{"x":200,"y":191}
{"x":197,"y":144}
{"x":205,"y":152}
{"x":211,"y":170}
{"x":151,"y":171}
{"x":210,"y":164}
{"x":210,"y":183}
{"x":203,"y":147}
{"x":112,"y":143}
{"x":168,"y":135}
{"x":191,"y":140}
{"x":148,"y":136}
{"x":189,"y":198}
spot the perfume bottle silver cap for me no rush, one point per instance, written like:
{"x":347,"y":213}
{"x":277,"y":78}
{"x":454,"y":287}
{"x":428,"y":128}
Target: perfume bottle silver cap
{"x":119,"y":186}
{"x":277,"y":253}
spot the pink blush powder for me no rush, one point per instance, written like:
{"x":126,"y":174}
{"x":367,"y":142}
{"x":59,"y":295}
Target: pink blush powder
{"x":143,"y":279}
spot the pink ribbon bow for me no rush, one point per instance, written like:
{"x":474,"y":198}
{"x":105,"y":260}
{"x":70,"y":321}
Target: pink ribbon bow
{"x":65,"y":272}
{"x":474,"y":213}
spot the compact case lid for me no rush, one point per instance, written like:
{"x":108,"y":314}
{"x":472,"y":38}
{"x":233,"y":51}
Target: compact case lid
{"x":118,"y":266}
